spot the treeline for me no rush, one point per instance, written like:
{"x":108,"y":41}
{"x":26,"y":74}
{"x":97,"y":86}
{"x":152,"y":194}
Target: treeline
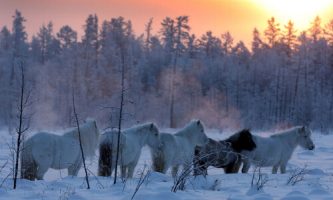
{"x":172,"y":75}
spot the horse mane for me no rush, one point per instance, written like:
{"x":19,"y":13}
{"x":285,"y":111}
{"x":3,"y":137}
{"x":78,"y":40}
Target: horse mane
{"x":188,"y":128}
{"x":285,"y":132}
{"x":235,"y":136}
{"x":136,"y":128}
{"x":88,"y":136}
{"x":242,"y":140}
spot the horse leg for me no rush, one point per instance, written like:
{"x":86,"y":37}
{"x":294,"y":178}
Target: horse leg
{"x":41,"y":170}
{"x":43,"y":162}
{"x":246,"y":166}
{"x":275,"y":169}
{"x":174,"y":170}
{"x":112,"y":167}
{"x":131,"y":168}
{"x":283,"y":168}
{"x":130,"y":171}
{"x":73,"y":170}
{"x":233,"y":167}
{"x":123,"y":171}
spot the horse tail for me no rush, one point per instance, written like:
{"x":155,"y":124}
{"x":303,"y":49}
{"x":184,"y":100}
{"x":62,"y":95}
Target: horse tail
{"x":158,"y":158}
{"x":28,"y":164}
{"x":105,"y":159}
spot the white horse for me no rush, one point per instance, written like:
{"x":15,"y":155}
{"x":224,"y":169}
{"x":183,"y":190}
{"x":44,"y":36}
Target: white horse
{"x":45,"y":150}
{"x":178,"y":149}
{"x":131,"y":142}
{"x":277,"y":149}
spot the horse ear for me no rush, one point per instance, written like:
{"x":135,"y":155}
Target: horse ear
{"x":151,"y":126}
{"x":198,"y":122}
{"x":301,"y":130}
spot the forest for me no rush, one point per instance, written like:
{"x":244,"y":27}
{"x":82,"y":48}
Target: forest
{"x":284,"y":78}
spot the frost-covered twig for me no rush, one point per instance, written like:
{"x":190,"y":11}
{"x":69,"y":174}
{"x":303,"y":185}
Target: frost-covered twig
{"x":65,"y":195}
{"x":181,"y":179}
{"x":144,"y":175}
{"x":296,"y":176}
{"x":258,"y":179}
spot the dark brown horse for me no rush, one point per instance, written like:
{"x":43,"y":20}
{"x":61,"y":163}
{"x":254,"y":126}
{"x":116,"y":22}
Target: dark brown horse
{"x":223,"y":154}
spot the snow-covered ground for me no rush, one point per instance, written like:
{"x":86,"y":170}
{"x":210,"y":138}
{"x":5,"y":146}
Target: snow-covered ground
{"x":317,"y":181}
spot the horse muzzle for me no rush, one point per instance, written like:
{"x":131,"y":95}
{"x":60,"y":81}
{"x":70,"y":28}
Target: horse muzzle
{"x":312,"y":147}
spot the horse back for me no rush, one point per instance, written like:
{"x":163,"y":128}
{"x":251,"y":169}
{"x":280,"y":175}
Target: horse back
{"x":269,"y":150}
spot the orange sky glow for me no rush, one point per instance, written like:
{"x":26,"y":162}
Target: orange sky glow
{"x":237,"y":16}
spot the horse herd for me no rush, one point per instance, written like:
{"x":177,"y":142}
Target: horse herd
{"x":187,"y":147}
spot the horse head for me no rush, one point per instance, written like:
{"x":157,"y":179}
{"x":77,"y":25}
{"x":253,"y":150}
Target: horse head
{"x":153,"y":136}
{"x":242,"y":140}
{"x":305,"y":140}
{"x":199,"y":131}
{"x":90,"y":136}
{"x":246,"y":140}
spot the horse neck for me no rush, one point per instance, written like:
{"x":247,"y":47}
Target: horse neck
{"x":88,"y":142}
{"x":185,"y":133}
{"x":72,"y":133}
{"x":139,"y":136}
{"x":290,"y":137}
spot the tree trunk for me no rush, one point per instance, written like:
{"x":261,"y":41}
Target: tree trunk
{"x":20,"y":130}
{"x":120,"y":113}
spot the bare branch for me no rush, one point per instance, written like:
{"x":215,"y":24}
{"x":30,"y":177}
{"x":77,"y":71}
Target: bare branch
{"x":259,"y":179}
{"x":144,"y":175}
{"x":296,"y":176}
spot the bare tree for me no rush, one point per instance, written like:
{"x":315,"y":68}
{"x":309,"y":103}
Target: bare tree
{"x":81,"y":148}
{"x":120,"y":119}
{"x":23,"y":126}
{"x":123,"y":32}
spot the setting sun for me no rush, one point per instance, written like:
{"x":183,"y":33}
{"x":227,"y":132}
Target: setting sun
{"x":299,"y":11}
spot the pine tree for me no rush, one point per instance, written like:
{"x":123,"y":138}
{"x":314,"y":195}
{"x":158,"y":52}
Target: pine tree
{"x":148,"y":29}
{"x":67,"y":37}
{"x":48,"y":45}
{"x":257,"y":43}
{"x":19,"y":39}
{"x":5,"y":40}
{"x":289,"y":37}
{"x":227,"y":42}
{"x":90,"y":42}
{"x":315,"y":30}
{"x":272,"y":33}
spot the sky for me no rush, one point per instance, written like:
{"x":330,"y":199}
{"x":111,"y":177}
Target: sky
{"x":239,"y":17}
